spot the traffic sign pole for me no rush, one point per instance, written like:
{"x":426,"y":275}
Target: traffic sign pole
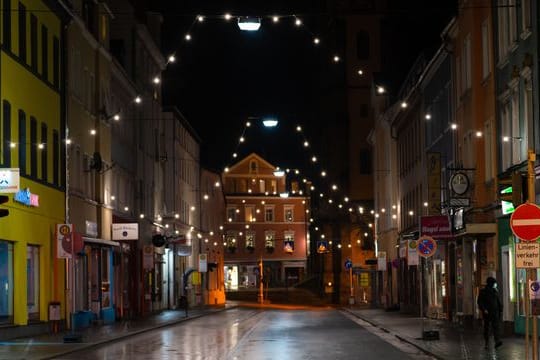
{"x":531,"y":159}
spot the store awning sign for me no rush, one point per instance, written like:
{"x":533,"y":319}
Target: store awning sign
{"x":9,"y":180}
{"x":436,"y":226}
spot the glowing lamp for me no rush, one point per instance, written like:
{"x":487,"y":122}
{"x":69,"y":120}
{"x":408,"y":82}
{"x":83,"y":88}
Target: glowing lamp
{"x":249,"y":23}
{"x":270,"y":122}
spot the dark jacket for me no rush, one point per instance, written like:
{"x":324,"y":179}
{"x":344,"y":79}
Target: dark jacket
{"x":489,"y":302}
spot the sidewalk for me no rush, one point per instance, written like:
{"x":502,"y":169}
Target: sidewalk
{"x":51,"y":346}
{"x":455,"y":342}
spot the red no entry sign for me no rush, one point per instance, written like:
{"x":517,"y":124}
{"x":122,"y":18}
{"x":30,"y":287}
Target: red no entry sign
{"x":525,"y":222}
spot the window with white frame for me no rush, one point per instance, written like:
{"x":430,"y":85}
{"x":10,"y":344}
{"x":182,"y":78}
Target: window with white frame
{"x":250,"y":239}
{"x":525,"y":17}
{"x":516,"y":133}
{"x":502,"y":14}
{"x":289,"y":213}
{"x":507,"y":136}
{"x":469,"y":149}
{"x":489,"y":150}
{"x":269,"y":239}
{"x":527,"y":109}
{"x":512,"y":22}
{"x":466,"y":67}
{"x":249,"y":212}
{"x":231,"y":213}
{"x":231,"y":239}
{"x":269,"y":213}
{"x":486,"y":54}
{"x":288,"y":244}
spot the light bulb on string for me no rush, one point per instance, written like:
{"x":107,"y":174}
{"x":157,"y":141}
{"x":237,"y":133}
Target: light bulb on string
{"x":227,"y":16}
{"x":297,"y":22}
{"x":187,"y":37}
{"x":275,"y":19}
{"x":172,"y":58}
{"x":316,"y":41}
{"x":200,"y":18}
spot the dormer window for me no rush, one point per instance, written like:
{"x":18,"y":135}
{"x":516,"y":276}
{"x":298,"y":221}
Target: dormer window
{"x":253,"y":167}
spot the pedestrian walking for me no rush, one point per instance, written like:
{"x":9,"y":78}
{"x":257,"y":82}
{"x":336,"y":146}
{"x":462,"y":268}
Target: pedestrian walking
{"x":491,"y":307}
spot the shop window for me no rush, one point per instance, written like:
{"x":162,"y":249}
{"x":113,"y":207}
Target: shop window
{"x":105,"y":278}
{"x":32,"y":278}
{"x":6,"y":282}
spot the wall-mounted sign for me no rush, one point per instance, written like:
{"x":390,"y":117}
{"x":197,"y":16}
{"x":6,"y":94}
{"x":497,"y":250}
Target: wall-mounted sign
{"x":26,"y":197}
{"x":436,"y":226}
{"x":9,"y":180}
{"x":412,"y":253}
{"x":183,"y":250}
{"x":148,"y":257}
{"x":203,"y":263}
{"x":381,"y":261}
{"x":91,"y":228}
{"x":67,"y":241}
{"x":125,"y":231}
{"x":459,"y":183}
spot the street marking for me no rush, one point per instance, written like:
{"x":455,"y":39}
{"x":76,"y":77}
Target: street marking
{"x":525,"y":222}
{"x":390,"y":338}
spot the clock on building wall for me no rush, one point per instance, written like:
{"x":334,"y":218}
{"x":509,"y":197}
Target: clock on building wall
{"x":459,"y":183}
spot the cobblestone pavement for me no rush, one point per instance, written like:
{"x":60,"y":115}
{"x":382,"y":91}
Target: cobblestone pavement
{"x":455,"y":342}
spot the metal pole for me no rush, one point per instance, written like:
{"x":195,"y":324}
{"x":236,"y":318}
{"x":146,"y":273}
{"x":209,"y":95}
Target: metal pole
{"x":261,"y":286}
{"x":420,"y":266}
{"x":531,"y":159}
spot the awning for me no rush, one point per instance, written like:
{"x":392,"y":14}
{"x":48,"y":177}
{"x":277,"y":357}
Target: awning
{"x":100,"y":241}
{"x":479,"y":229}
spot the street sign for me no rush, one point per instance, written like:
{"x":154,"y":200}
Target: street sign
{"x":527,"y":255}
{"x":525,"y":222}
{"x":348,"y":264}
{"x":427,"y":246}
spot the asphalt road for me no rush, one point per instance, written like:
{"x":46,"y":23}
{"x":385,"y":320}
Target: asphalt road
{"x":256,"y":334}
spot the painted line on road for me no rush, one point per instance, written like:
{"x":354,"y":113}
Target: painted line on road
{"x":396,"y":341}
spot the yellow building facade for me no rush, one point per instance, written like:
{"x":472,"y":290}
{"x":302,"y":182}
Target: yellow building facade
{"x":32,"y":132}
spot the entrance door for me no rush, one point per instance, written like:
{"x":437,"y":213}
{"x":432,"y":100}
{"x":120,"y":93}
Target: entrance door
{"x":507,"y":289}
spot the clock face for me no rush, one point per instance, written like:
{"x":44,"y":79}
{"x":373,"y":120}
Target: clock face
{"x":459,"y":183}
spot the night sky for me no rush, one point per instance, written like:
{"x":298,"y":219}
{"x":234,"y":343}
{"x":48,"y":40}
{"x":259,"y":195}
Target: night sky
{"x":224,"y":75}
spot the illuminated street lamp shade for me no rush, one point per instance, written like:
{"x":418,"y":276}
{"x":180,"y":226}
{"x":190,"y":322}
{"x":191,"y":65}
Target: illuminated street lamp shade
{"x":270,"y":122}
{"x":249,"y":23}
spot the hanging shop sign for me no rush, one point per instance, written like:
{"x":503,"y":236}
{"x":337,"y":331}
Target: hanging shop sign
{"x":128,"y":231}
{"x":25,"y":197}
{"x":183,"y":250}
{"x":459,"y":183}
{"x":436,"y":226}
{"x":9,"y":180}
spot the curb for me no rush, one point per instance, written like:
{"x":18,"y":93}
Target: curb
{"x":133,"y":333}
{"x":401,"y":338}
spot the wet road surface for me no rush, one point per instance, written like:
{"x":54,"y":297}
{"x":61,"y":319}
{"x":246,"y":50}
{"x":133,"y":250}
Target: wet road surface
{"x":257,"y":334}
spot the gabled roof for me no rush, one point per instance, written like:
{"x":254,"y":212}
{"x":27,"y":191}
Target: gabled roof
{"x":248,"y":158}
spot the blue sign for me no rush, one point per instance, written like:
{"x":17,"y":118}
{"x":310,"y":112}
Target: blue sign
{"x":26,"y":197}
{"x":348,"y":264}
